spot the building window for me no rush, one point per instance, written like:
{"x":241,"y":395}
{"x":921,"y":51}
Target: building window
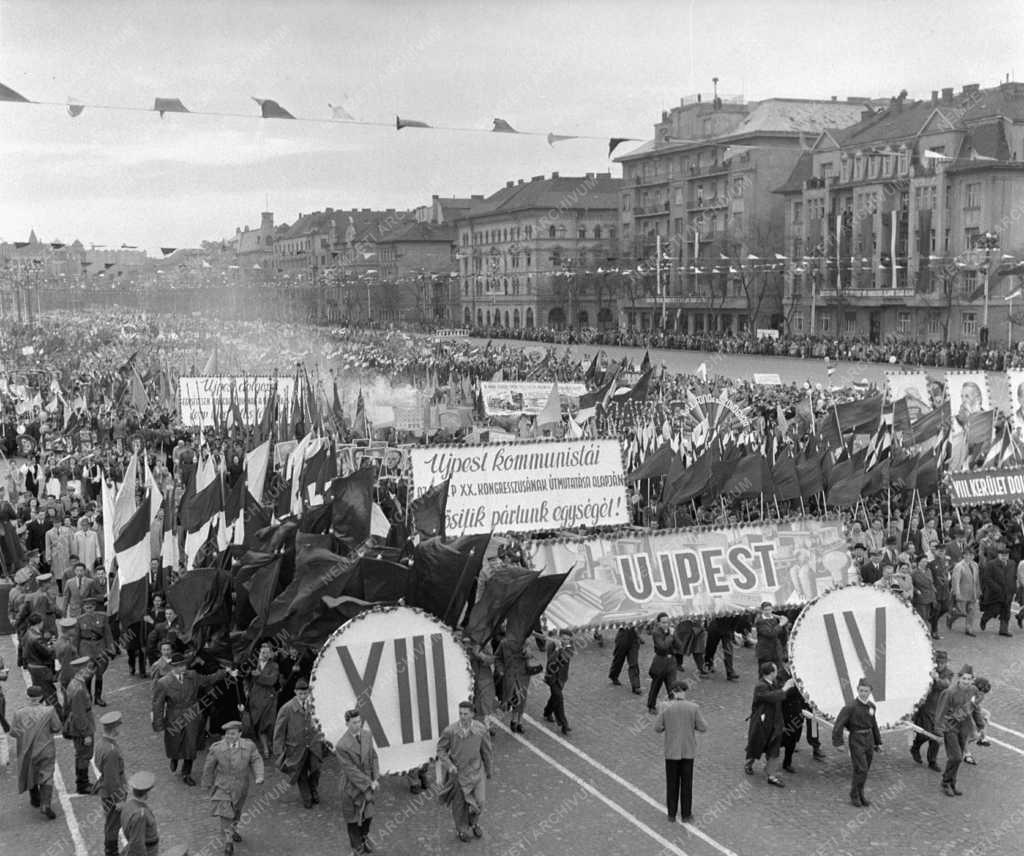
{"x":849,"y":322}
{"x":581,"y":233}
{"x":826,"y":171}
{"x":700,"y":194}
{"x":971,"y":237}
{"x":874,"y":165}
{"x":858,"y":167}
{"x":611,"y":233}
{"x":597,"y":233}
{"x":551,"y":232}
{"x":798,"y":213}
{"x":825,"y":323}
{"x":903,"y":161}
{"x":844,"y":168}
{"x":798,"y":322}
{"x":529,"y":232}
{"x":969,"y":323}
{"x":902,"y":322}
{"x":935,"y":325}
{"x":973,"y":196}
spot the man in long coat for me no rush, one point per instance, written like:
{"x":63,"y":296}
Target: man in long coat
{"x":78,"y":723}
{"x":176,"y":712}
{"x":230,"y":765}
{"x":298,"y":744}
{"x":262,"y":701}
{"x":998,"y":579}
{"x":95,"y":640}
{"x":764,"y":735}
{"x":33,"y":728}
{"x":465,"y":751}
{"x":360,"y":774}
{"x":111,"y":785}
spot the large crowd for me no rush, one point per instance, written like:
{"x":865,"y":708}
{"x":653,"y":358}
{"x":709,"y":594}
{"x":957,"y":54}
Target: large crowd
{"x":73,"y":416}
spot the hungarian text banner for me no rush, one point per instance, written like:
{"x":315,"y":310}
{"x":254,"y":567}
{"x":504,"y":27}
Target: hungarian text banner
{"x":206,"y":400}
{"x":987,"y":487}
{"x":630,"y":579}
{"x":526,"y":487}
{"x":518,"y":398}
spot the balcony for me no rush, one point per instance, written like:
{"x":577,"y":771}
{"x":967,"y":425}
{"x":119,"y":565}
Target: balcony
{"x":708,"y":203}
{"x":651,"y":210}
{"x":649,"y":181}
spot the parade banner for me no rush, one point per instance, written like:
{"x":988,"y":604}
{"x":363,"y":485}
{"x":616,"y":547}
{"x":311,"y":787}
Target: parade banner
{"x":406,"y":674}
{"x":518,"y":398}
{"x":526,"y":487}
{"x":987,"y":487}
{"x":913,"y":388}
{"x":629,"y":579}
{"x":847,"y":635}
{"x":968,"y":395}
{"x":767,"y":379}
{"x":199,"y":398}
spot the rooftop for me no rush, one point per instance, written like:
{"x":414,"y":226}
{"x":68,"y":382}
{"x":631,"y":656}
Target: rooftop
{"x":593,"y":190}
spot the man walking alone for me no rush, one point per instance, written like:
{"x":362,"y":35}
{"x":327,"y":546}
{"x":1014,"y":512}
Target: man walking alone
{"x":679,"y":720}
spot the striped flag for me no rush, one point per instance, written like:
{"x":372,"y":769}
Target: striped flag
{"x":201,"y":503}
{"x":133,"y":553}
{"x":880,"y":446}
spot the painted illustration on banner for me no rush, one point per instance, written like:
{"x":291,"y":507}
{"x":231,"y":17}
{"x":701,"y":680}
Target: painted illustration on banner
{"x":517,"y":398}
{"x":631,"y":578}
{"x":913,"y":388}
{"x":968,"y":396}
{"x":526,"y":487}
{"x":1015,"y":383}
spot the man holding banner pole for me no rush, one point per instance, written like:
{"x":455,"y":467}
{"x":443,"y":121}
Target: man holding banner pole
{"x":858,"y":717}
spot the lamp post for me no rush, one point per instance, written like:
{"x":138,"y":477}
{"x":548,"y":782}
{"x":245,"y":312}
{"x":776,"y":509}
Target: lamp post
{"x":1009,"y":318}
{"x":987,"y":242}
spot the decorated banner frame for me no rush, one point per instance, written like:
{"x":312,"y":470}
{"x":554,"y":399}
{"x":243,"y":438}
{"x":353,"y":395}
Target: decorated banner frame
{"x":969,"y":394}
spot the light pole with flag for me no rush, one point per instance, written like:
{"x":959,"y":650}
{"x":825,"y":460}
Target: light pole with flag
{"x":1009,"y":319}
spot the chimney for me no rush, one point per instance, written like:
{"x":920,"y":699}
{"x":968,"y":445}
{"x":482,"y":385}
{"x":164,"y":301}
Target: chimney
{"x":834,"y":98}
{"x":510,"y":184}
{"x":935,"y":97}
{"x":537,"y":178}
{"x":589,"y":175}
{"x":328,"y":211}
{"x":520,"y":181}
{"x":947,"y":95}
{"x":477,"y":197}
{"x":604,"y":175}
{"x":971,"y":88}
{"x":554,"y":175}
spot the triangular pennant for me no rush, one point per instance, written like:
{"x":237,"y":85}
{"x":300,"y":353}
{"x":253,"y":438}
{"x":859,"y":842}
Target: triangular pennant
{"x":558,"y":138}
{"x":169,"y":105}
{"x":8,"y":94}
{"x":75,"y":108}
{"x":615,"y":142}
{"x":408,"y":123}
{"x":270,"y":109}
{"x":503,"y":127}
{"x":340,"y":113}
{"x":167,"y":250}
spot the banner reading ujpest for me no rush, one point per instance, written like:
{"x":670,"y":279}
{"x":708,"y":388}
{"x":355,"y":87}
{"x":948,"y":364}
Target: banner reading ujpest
{"x":199,"y":398}
{"x":987,"y":487}
{"x":519,"y":398}
{"x":630,"y":579}
{"x":526,"y":487}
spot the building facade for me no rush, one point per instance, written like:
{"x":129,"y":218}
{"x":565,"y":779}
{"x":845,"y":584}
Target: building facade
{"x":417,"y":268}
{"x":908,"y":223}
{"x":540,"y":253}
{"x":700,"y":224}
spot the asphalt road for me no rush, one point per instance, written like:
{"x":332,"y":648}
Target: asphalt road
{"x":600,"y":790}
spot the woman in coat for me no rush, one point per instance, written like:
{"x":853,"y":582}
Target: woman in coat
{"x":764,"y":734}
{"x":262,"y":703}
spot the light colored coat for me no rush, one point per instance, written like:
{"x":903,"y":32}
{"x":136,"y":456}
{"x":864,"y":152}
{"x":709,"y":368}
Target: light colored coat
{"x":965,"y":583}
{"x":228,"y":773}
{"x":680,"y":720}
{"x":295,"y":734}
{"x":360,"y":768}
{"x":33,"y":728}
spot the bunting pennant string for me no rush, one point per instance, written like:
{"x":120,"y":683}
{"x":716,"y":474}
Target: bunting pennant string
{"x":271,"y":109}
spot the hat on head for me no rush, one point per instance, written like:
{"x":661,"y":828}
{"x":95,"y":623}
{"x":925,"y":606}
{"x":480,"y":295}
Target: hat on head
{"x":44,"y":578}
{"x":178,"y":659}
{"x":67,"y":623}
{"x":966,"y":669}
{"x":78,"y":662}
{"x":302,"y":684}
{"x":23,"y":576}
{"x":940,"y":655}
{"x":234,"y":723}
{"x":765,"y":603}
{"x":34,"y":692}
{"x":863,"y":682}
{"x":142,"y":781}
{"x":108,"y":720}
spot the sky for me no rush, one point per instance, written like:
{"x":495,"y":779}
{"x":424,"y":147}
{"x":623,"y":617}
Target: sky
{"x":595,"y":68}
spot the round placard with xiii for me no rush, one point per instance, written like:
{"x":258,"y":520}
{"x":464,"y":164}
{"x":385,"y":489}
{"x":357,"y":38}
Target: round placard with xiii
{"x":404,"y":671}
{"x":861,"y":632}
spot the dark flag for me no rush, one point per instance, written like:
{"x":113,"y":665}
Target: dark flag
{"x":318,"y":572}
{"x":657,"y":464}
{"x":696,"y":477}
{"x":530,"y":606}
{"x":351,"y":506}
{"x":436,"y":573}
{"x":786,"y":478}
{"x":500,"y":592}
{"x":428,"y":510}
{"x":473,"y":548}
{"x":385,"y":581}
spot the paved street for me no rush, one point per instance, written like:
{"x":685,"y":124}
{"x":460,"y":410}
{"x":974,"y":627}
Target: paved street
{"x":600,"y":790}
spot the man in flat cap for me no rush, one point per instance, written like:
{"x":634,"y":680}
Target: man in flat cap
{"x":138,"y":823}
{"x":95,"y":641}
{"x":230,"y":765}
{"x":298,"y":745}
{"x":33,"y":728}
{"x":177,"y":713}
{"x":111,"y":785}
{"x":78,"y":723}
{"x":858,"y":717}
{"x":924,"y":717}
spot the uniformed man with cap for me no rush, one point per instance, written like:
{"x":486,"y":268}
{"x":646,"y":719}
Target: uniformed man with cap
{"x":138,"y":823}
{"x":95,"y":641}
{"x":65,"y":650}
{"x":858,"y":717}
{"x":33,"y":728}
{"x":38,"y":653}
{"x":110,"y":785}
{"x":78,"y":723}
{"x":230,"y":764}
{"x":924,"y":717}
{"x":22,"y":586}
{"x":176,"y":712}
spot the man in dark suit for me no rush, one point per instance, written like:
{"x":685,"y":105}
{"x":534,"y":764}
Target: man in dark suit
{"x":998,"y":586}
{"x":679,"y":720}
{"x":663,"y":665}
{"x":770,"y":635}
{"x":871,"y":568}
{"x":764,"y":735}
{"x":627,"y":650}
